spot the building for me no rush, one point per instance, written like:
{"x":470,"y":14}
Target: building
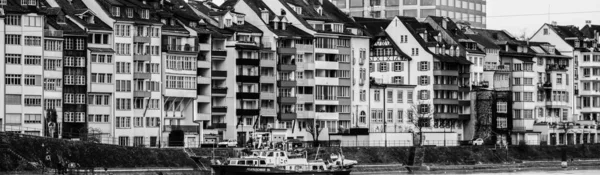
{"x":576,"y":123}
{"x":23,"y":70}
{"x":100,"y":65}
{"x":471,"y":11}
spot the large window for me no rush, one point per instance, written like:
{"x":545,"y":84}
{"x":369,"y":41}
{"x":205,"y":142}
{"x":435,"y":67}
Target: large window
{"x":33,"y":60}
{"x":410,"y":13}
{"x":13,"y":58}
{"x":53,"y":45}
{"x":123,"y":104}
{"x":392,"y":3}
{"x":356,"y":3}
{"x":502,"y":107}
{"x":427,"y":2}
{"x":181,"y":82}
{"x":98,"y":38}
{"x":13,"y":39}
{"x":12,"y":99}
{"x":176,"y":62}
{"x":33,"y":40}
{"x":409,"y":2}
{"x":32,"y":21}
{"x":12,"y":79}
{"x":123,"y":122}
{"x":13,"y":20}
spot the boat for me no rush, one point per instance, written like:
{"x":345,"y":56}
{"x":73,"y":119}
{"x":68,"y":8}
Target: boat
{"x":277,"y":162}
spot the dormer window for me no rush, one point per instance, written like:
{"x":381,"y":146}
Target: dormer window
{"x":129,"y":12}
{"x":320,"y":11}
{"x":28,"y":2}
{"x":240,"y":20}
{"x":193,"y":24}
{"x":228,"y":22}
{"x":297,"y":9}
{"x":115,"y":11}
{"x":88,"y":18}
{"x":164,"y":21}
{"x":172,"y":22}
{"x":145,"y":14}
{"x":3,"y":2}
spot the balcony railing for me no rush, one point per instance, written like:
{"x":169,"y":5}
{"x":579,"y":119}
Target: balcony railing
{"x":218,"y":126}
{"x":219,"y":53}
{"x":556,"y":67}
{"x":181,"y":48}
{"x":219,"y":73}
{"x":219,"y":109}
{"x":491,"y":67}
{"x":219,"y":90}
{"x":53,"y":33}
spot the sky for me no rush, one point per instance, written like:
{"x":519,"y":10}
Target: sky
{"x":527,"y":16}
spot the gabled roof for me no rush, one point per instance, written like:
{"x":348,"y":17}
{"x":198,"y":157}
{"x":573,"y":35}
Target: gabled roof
{"x":76,"y":7}
{"x":209,"y":8}
{"x":374,"y":26}
{"x":483,"y":41}
{"x":589,"y":31}
{"x":258,"y":5}
{"x":127,"y":4}
{"x":330,"y":13}
{"x":569,"y":31}
{"x":14,"y":6}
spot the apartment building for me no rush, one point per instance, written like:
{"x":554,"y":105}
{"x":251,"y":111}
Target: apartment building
{"x":3,"y":74}
{"x":471,"y":11}
{"x":576,"y":124}
{"x":236,"y":107}
{"x":287,"y":72}
{"x":23,"y":69}
{"x":138,"y":96}
{"x":100,"y":64}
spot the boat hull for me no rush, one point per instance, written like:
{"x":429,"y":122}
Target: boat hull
{"x":245,"y":170}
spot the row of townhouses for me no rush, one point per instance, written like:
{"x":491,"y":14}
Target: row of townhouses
{"x":175,"y":73}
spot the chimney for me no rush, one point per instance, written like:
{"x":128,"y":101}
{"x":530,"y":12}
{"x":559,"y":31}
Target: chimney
{"x":264,"y":14}
{"x":554,"y":23}
{"x":445,"y":23}
{"x":588,"y":23}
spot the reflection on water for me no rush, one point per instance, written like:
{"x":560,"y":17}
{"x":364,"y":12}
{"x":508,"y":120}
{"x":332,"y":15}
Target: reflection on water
{"x":562,"y":172}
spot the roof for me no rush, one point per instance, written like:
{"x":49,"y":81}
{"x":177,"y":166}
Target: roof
{"x":257,"y":5}
{"x":75,"y":8}
{"x":15,"y":7}
{"x":483,"y":41}
{"x":330,"y":13}
{"x":130,"y":4}
{"x":589,"y":31}
{"x":373,"y":26}
{"x":568,"y":31}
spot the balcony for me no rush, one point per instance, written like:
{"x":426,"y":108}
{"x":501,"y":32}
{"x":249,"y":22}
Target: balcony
{"x":556,"y":67}
{"x":217,"y":126}
{"x":498,"y":68}
{"x":557,"y":104}
{"x":523,"y":124}
{"x":184,"y":128}
{"x":141,"y":39}
{"x":286,"y":83}
{"x":286,"y":67}
{"x":287,"y":100}
{"x":219,"y":91}
{"x":142,"y":75}
{"x":203,"y":80}
{"x":248,"y":95}
{"x":248,"y":61}
{"x":445,"y":116}
{"x":482,"y":84}
{"x":219,"y":110}
{"x":546,"y":85}
{"x":445,"y":101}
{"x":53,"y":33}
{"x":267,"y":79}
{"x":219,"y":53}
{"x":180,"y":48}
{"x":287,"y":50}
{"x":287,"y":116}
{"x":445,"y":87}
{"x":247,"y":112}
{"x":141,"y":57}
{"x":143,"y":94}
{"x":267,"y":63}
{"x":266,"y":111}
{"x":248,"y":78}
{"x":204,"y":47}
{"x":267,"y":95}
{"x":219,"y":74}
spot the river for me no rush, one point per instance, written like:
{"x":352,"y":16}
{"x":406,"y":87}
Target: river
{"x":533,"y":172}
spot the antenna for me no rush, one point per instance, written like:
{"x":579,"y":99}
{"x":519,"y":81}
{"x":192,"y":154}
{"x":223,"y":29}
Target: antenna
{"x":548,"y":12}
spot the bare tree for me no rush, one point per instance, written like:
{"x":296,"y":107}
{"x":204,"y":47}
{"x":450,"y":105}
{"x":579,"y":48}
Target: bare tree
{"x":420,"y":115}
{"x":313,"y":128}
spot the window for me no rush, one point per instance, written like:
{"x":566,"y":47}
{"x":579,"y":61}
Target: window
{"x":546,"y":31}
{"x":424,"y":80}
{"x":363,"y":95}
{"x":13,"y":39}
{"x":123,"y":68}
{"x":423,"y":66}
{"x":99,"y":99}
{"x":123,"y":49}
{"x":398,"y":67}
{"x":123,"y":141}
{"x":528,"y":113}
{"x":52,"y":45}
{"x":98,"y":38}
{"x":528,"y":96}
{"x":398,"y":80}
{"x":32,"y":118}
{"x":123,"y":85}
{"x":52,"y":103}
{"x":181,"y":82}
{"x":145,"y":14}
{"x":415,"y":51}
{"x":559,"y":78}
{"x":424,"y":95}
{"x":377,"y":95}
{"x":517,"y":114}
{"x":13,"y":20}
{"x":176,"y":62}
{"x":383,"y":67}
{"x":101,"y":78}
{"x":390,"y":97}
{"x":79,"y":44}
{"x":33,"y":80}
{"x":123,"y":104}
{"x":101,"y":58}
{"x":12,"y":99}
{"x":33,"y":60}
{"x":33,"y":100}
{"x":33,"y":41}
{"x":12,"y":79}
{"x":502,"y":107}
{"x":129,"y":12}
{"x":122,"y":30}
{"x":400,"y":98}
{"x":409,"y":97}
{"x":29,"y":2}
{"x":115,"y":11}
{"x":409,"y":2}
{"x":13,"y":58}
{"x":517,"y":96}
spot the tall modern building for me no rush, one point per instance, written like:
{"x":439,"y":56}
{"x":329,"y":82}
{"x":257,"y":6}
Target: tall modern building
{"x":471,"y":11}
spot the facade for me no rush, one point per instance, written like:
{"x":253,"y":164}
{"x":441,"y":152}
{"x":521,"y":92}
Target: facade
{"x":23,"y":70}
{"x":471,"y":11}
